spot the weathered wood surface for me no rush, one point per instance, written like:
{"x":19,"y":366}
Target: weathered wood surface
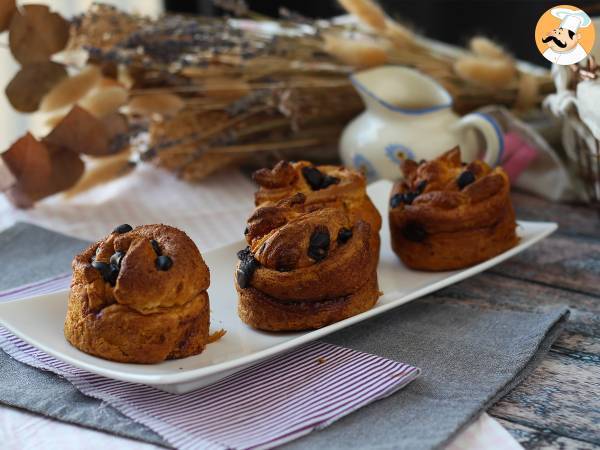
{"x":558,"y":405}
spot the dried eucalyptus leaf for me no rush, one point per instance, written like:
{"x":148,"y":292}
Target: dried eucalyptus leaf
{"x":81,"y":132}
{"x":40,"y":170}
{"x":32,"y":82}
{"x":104,"y":100}
{"x":7,"y":9}
{"x":67,"y":168}
{"x":29,"y":161}
{"x":36,"y":33}
{"x":115,"y":124}
{"x":71,"y":89}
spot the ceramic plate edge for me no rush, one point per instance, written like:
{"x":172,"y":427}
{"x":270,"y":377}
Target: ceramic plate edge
{"x":310,"y":336}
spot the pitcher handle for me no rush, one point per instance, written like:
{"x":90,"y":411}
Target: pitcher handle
{"x":491,"y":132}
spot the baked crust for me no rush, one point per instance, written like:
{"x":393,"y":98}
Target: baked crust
{"x":312,"y":253}
{"x":456,"y":215}
{"x":262,"y":311}
{"x":144,"y":314}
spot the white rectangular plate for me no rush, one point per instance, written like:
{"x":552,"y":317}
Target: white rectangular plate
{"x":39,"y":320}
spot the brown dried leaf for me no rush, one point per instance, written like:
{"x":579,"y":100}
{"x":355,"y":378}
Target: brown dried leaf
{"x":115,"y":124}
{"x":7,"y":9}
{"x":81,"y":132}
{"x":67,"y":169}
{"x":41,"y":170}
{"x":29,"y":161}
{"x":36,"y":33}
{"x":104,"y":101}
{"x":164,"y":104}
{"x":32,"y":82}
{"x":71,"y":89}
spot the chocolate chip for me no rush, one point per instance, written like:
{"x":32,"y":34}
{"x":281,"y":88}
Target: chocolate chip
{"x":465,"y":179}
{"x":313,"y":177}
{"x":245,"y":271}
{"x":156,"y":247}
{"x":116,"y":258}
{"x":248,"y":264}
{"x":319,"y":243}
{"x":344,"y":235}
{"x":102,"y":267}
{"x":109,"y":272}
{"x":328,"y":181}
{"x":244,"y":254}
{"x":396,"y":200}
{"x":112,"y":275}
{"x":316,"y":179}
{"x":409,"y":197}
{"x":163,"y":262}
{"x":125,"y":228}
{"x":246,"y":230}
{"x":421,"y":186}
{"x":414,"y":232}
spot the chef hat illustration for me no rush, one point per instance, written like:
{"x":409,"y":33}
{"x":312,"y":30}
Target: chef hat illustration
{"x":571,"y":19}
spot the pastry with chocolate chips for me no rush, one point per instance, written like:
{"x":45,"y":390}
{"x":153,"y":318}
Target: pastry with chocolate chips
{"x":322,"y":186}
{"x":447,"y":215}
{"x":139,"y":296}
{"x":305,"y":267}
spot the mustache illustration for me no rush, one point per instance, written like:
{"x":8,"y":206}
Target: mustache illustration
{"x":556,"y":41}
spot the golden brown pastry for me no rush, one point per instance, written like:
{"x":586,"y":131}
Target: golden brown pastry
{"x":139,"y":296}
{"x":305,"y":267}
{"x":448,"y":215}
{"x":331,"y":186}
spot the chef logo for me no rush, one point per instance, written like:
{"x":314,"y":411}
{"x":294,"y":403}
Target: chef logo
{"x":564,"y":35}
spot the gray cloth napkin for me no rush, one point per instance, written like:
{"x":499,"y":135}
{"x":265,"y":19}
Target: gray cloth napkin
{"x":470,"y":358}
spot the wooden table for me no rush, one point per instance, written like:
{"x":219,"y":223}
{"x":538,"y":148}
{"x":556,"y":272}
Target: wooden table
{"x":558,"y":405}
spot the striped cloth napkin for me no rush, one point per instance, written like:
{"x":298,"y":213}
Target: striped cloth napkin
{"x":262,"y":406}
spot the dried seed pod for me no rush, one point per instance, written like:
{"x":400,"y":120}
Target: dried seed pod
{"x":400,"y":35}
{"x":71,"y":89}
{"x":483,"y":46}
{"x":104,"y":101}
{"x":149,"y":104}
{"x":494,"y":73}
{"x":32,"y":82}
{"x":367,"y":12}
{"x":361,"y":53}
{"x":36,"y":33}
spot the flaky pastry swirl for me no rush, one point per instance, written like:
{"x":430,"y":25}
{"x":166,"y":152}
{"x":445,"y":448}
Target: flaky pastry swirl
{"x":139,"y":295}
{"x":308,"y":254}
{"x":331,"y":186}
{"x":446,"y":215}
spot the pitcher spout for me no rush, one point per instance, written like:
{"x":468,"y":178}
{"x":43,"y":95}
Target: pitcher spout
{"x":400,"y":90}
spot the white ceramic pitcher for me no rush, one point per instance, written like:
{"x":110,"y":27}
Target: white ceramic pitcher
{"x":409,"y":115}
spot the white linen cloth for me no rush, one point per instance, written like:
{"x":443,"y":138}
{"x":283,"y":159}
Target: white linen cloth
{"x":213,"y":213}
